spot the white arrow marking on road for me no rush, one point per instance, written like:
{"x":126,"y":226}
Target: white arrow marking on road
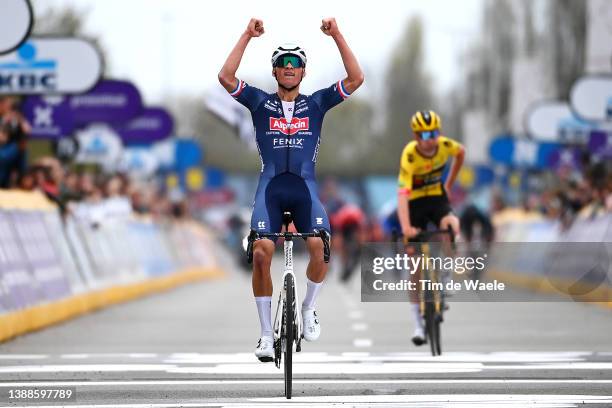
{"x":359,"y":326}
{"x":355,"y":314}
{"x":362,"y":343}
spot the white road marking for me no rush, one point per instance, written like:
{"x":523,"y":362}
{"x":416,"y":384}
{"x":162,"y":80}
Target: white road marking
{"x":142,"y":355}
{"x":359,"y":326}
{"x":247,"y":357}
{"x":23,"y":356}
{"x":362,"y":343}
{"x":555,"y":366}
{"x":295,"y":381}
{"x":472,"y":399}
{"x":75,"y":368}
{"x":356,"y":354}
{"x":342,"y":365}
{"x":441,"y":400}
{"x":355,"y":314}
{"x":337,"y":368}
{"x":194,"y":358}
{"x":74,"y":356}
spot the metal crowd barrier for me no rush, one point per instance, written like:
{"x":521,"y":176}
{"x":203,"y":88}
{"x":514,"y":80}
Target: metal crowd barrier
{"x":53,"y":268}
{"x":546,"y":256}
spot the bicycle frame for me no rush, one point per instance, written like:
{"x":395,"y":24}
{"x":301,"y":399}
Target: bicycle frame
{"x":431,"y":275}
{"x":288,"y":269}
{"x":431,"y":300}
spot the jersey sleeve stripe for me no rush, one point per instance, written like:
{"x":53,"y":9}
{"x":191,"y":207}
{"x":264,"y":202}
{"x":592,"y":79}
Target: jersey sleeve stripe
{"x":343,"y":93}
{"x":238,"y":89}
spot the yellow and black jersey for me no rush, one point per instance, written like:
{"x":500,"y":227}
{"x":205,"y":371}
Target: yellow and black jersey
{"x":421,"y":176}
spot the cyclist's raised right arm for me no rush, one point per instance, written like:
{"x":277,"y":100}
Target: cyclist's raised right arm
{"x":227,"y":75}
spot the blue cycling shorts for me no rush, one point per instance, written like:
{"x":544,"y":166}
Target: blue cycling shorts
{"x":288,"y":192}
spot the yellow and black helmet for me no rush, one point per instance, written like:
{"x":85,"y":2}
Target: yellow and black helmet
{"x":425,"y":120}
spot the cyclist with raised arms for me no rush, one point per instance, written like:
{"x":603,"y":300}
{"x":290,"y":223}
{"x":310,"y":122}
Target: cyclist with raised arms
{"x":288,"y":133}
{"x":422,"y":197}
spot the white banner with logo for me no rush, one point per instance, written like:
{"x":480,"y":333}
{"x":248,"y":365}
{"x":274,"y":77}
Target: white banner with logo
{"x":138,"y":161}
{"x":591,"y":97}
{"x":15,"y":24}
{"x":50,"y":66}
{"x":99,"y":144}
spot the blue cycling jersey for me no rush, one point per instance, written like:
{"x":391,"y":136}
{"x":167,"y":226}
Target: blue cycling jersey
{"x":288,"y":147}
{"x":288,"y":153}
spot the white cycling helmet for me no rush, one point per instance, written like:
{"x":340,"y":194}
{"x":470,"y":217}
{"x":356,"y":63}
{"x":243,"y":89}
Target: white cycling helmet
{"x":289,"y":48}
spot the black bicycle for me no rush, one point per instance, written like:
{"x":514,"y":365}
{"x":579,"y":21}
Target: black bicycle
{"x":288,"y":325}
{"x":433,"y":296}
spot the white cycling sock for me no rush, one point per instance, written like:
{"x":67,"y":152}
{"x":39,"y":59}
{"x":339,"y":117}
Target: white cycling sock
{"x":416,"y":314}
{"x":312,"y":290}
{"x":264,"y":309}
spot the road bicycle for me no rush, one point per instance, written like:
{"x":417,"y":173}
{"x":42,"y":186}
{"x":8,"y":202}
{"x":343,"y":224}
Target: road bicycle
{"x":433,"y":296}
{"x":288,"y":326}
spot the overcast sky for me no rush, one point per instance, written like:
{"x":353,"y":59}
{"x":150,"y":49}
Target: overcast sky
{"x":179,"y":46}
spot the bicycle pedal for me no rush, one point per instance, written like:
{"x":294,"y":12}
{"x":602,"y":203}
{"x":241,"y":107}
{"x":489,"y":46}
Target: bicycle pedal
{"x":298,"y":348}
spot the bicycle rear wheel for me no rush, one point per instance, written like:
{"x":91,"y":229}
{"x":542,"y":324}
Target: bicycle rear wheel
{"x":289,"y":321}
{"x":438,"y":329}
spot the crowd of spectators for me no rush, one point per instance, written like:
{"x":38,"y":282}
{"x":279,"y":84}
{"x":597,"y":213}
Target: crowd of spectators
{"x":76,"y":190}
{"x":80,"y":192}
{"x":587,"y":193}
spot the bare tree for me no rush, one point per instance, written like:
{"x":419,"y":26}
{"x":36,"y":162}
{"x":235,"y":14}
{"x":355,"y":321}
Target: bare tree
{"x":566,"y":21}
{"x":67,"y":21}
{"x":408,"y":90}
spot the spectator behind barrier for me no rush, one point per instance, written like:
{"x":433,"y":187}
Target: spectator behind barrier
{"x":17,"y":130}
{"x":9,"y":153}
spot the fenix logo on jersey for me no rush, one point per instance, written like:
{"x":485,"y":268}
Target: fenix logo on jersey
{"x":297,"y":142}
{"x":296,"y":125}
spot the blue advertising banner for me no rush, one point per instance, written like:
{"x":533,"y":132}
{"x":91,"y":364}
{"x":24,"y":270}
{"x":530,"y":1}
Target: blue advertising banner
{"x":110,"y":101}
{"x":600,"y":143}
{"x":49,"y":116}
{"x":152,"y":125}
{"x":522,"y":152}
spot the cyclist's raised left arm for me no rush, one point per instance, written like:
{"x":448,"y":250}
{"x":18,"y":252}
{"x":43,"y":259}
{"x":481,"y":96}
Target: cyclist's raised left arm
{"x":354,"y":74}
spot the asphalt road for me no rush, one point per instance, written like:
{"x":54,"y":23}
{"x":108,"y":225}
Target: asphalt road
{"x":192,"y":347}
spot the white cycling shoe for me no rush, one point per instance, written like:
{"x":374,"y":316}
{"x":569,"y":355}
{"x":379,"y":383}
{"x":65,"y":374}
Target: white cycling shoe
{"x":418,"y":338}
{"x":312,"y":328}
{"x":265,"y":349}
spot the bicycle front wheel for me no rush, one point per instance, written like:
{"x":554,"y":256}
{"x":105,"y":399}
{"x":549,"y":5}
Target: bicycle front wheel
{"x":289,"y":318}
{"x":431,"y":328}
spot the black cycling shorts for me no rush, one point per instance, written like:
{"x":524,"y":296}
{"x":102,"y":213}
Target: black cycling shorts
{"x":428,"y":209}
